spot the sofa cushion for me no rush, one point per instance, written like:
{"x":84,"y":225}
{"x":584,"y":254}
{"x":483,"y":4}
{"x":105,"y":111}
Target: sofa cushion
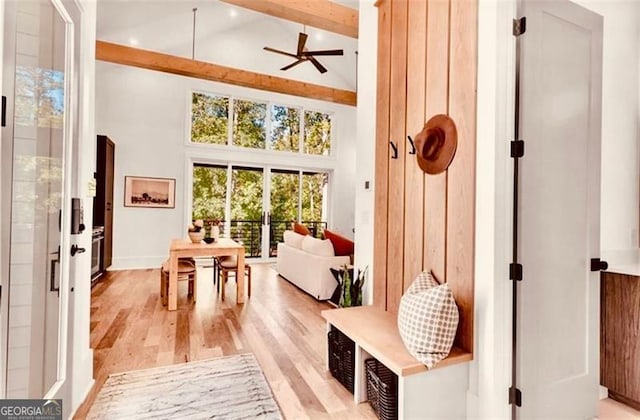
{"x":292,"y":238}
{"x":341,"y":245}
{"x":317,"y":246}
{"x":427,"y":321}
{"x":301,"y":229}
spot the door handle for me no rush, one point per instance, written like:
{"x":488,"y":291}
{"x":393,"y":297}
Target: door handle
{"x":75,"y":249}
{"x":597,"y":265}
{"x":262,"y":218}
{"x":268,"y":217}
{"x":3,"y":118}
{"x":53,"y":287}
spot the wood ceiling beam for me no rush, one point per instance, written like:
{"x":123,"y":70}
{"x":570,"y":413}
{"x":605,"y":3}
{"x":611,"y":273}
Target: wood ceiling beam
{"x":136,"y":57}
{"x":322,"y":14}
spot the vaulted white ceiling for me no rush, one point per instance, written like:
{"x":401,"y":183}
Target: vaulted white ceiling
{"x":226,"y":35}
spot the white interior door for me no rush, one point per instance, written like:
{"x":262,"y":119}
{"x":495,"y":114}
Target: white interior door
{"x":560,"y":118}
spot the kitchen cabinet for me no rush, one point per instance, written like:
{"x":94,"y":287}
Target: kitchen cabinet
{"x":103,"y":201}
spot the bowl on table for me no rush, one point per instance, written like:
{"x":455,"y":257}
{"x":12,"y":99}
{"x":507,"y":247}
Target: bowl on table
{"x":209,"y":240}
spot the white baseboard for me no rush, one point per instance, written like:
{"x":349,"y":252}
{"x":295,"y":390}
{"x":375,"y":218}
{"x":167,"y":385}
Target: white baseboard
{"x":603,"y":392}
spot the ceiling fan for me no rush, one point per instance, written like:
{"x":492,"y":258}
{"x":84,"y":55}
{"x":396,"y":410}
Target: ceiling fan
{"x":303,"y":55}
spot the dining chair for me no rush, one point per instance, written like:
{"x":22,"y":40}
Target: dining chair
{"x":186,"y":271}
{"x":227,"y":265}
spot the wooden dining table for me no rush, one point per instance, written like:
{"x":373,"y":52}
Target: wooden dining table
{"x":184,"y":248}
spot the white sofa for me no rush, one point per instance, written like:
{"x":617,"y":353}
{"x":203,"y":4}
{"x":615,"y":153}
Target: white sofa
{"x":305,"y":261}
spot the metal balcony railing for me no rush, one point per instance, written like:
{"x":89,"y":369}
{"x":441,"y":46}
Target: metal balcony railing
{"x":249,"y":233}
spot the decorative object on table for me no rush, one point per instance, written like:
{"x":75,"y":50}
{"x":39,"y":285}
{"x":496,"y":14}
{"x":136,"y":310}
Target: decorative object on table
{"x":149,"y":192}
{"x":428,"y":319}
{"x":196,"y":233}
{"x":214,"y":229}
{"x":436,"y":144}
{"x":208,"y":240}
{"x":225,"y":387}
{"x":350,"y":288}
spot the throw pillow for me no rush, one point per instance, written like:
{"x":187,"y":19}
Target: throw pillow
{"x":423,"y":281}
{"x":341,"y":245}
{"x":292,"y":239}
{"x":317,"y":246}
{"x":301,"y":229}
{"x":427,"y":322}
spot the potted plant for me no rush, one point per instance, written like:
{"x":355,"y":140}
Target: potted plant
{"x":352,"y":288}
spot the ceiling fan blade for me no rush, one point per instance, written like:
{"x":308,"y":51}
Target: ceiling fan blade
{"x":319,"y":66}
{"x":302,"y":40}
{"x":323,"y":52}
{"x":273,"y":50}
{"x":295,"y":63}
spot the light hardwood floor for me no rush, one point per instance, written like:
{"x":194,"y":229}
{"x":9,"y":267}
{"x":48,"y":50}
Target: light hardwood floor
{"x":281,"y":325}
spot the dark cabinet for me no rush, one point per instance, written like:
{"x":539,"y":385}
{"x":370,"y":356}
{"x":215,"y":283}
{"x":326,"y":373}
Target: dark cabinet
{"x":103,"y":202}
{"x":620,"y":337}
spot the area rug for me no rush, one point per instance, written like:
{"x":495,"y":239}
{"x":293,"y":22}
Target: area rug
{"x":231,"y":387}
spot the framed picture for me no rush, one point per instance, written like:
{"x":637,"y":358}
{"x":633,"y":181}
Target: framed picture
{"x":149,"y":192}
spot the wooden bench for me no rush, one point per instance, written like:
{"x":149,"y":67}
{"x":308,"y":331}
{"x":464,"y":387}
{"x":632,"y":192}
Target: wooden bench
{"x":422,"y":393}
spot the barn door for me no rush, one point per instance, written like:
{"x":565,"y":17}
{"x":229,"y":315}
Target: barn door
{"x":559,"y":210}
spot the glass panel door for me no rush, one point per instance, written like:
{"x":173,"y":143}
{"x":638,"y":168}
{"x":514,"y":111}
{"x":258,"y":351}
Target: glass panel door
{"x":247,"y":187}
{"x":314,"y":201}
{"x":284,"y":205}
{"x":209,"y":192}
{"x":40,"y":131}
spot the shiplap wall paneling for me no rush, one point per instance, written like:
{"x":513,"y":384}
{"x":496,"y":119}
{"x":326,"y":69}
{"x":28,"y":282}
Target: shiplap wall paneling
{"x":461,"y":173}
{"x":397,"y":118}
{"x":382,"y":155}
{"x":436,"y":102}
{"x":414,"y":177}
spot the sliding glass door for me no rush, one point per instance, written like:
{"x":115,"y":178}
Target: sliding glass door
{"x":259,"y":203}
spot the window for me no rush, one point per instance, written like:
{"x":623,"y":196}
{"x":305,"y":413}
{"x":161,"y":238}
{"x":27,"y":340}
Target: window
{"x":249,"y":124}
{"x":285,"y":128}
{"x":258,"y":125}
{"x":209,"y":118}
{"x":317,"y":133}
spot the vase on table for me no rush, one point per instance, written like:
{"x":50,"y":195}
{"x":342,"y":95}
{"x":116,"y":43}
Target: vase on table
{"x":215,"y":233}
{"x":196,"y":237}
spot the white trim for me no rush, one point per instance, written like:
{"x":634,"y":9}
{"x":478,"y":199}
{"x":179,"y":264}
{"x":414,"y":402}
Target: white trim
{"x":490,"y":372}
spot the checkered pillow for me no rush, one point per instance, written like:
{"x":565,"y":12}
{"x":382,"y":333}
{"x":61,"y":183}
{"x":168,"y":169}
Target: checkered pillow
{"x":428,"y":320}
{"x":423,"y":282}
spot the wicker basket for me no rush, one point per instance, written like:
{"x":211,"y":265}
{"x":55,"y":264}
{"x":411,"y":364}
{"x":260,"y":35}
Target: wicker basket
{"x":382,"y":389}
{"x":341,"y":358}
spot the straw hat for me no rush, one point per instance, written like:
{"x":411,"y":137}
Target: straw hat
{"x":436,"y":144}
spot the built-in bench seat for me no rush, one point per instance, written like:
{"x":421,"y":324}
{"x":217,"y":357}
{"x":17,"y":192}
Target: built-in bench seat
{"x":421,"y":392}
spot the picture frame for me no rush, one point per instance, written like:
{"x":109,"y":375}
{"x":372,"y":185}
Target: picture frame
{"x":149,"y":192}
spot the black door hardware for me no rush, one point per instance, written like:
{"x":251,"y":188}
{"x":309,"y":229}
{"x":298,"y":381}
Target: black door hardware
{"x":597,"y":265}
{"x":75,"y":249}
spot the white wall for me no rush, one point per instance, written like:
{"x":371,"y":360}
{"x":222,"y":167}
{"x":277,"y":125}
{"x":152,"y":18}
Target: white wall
{"x":620,"y":113}
{"x":147,"y":113}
